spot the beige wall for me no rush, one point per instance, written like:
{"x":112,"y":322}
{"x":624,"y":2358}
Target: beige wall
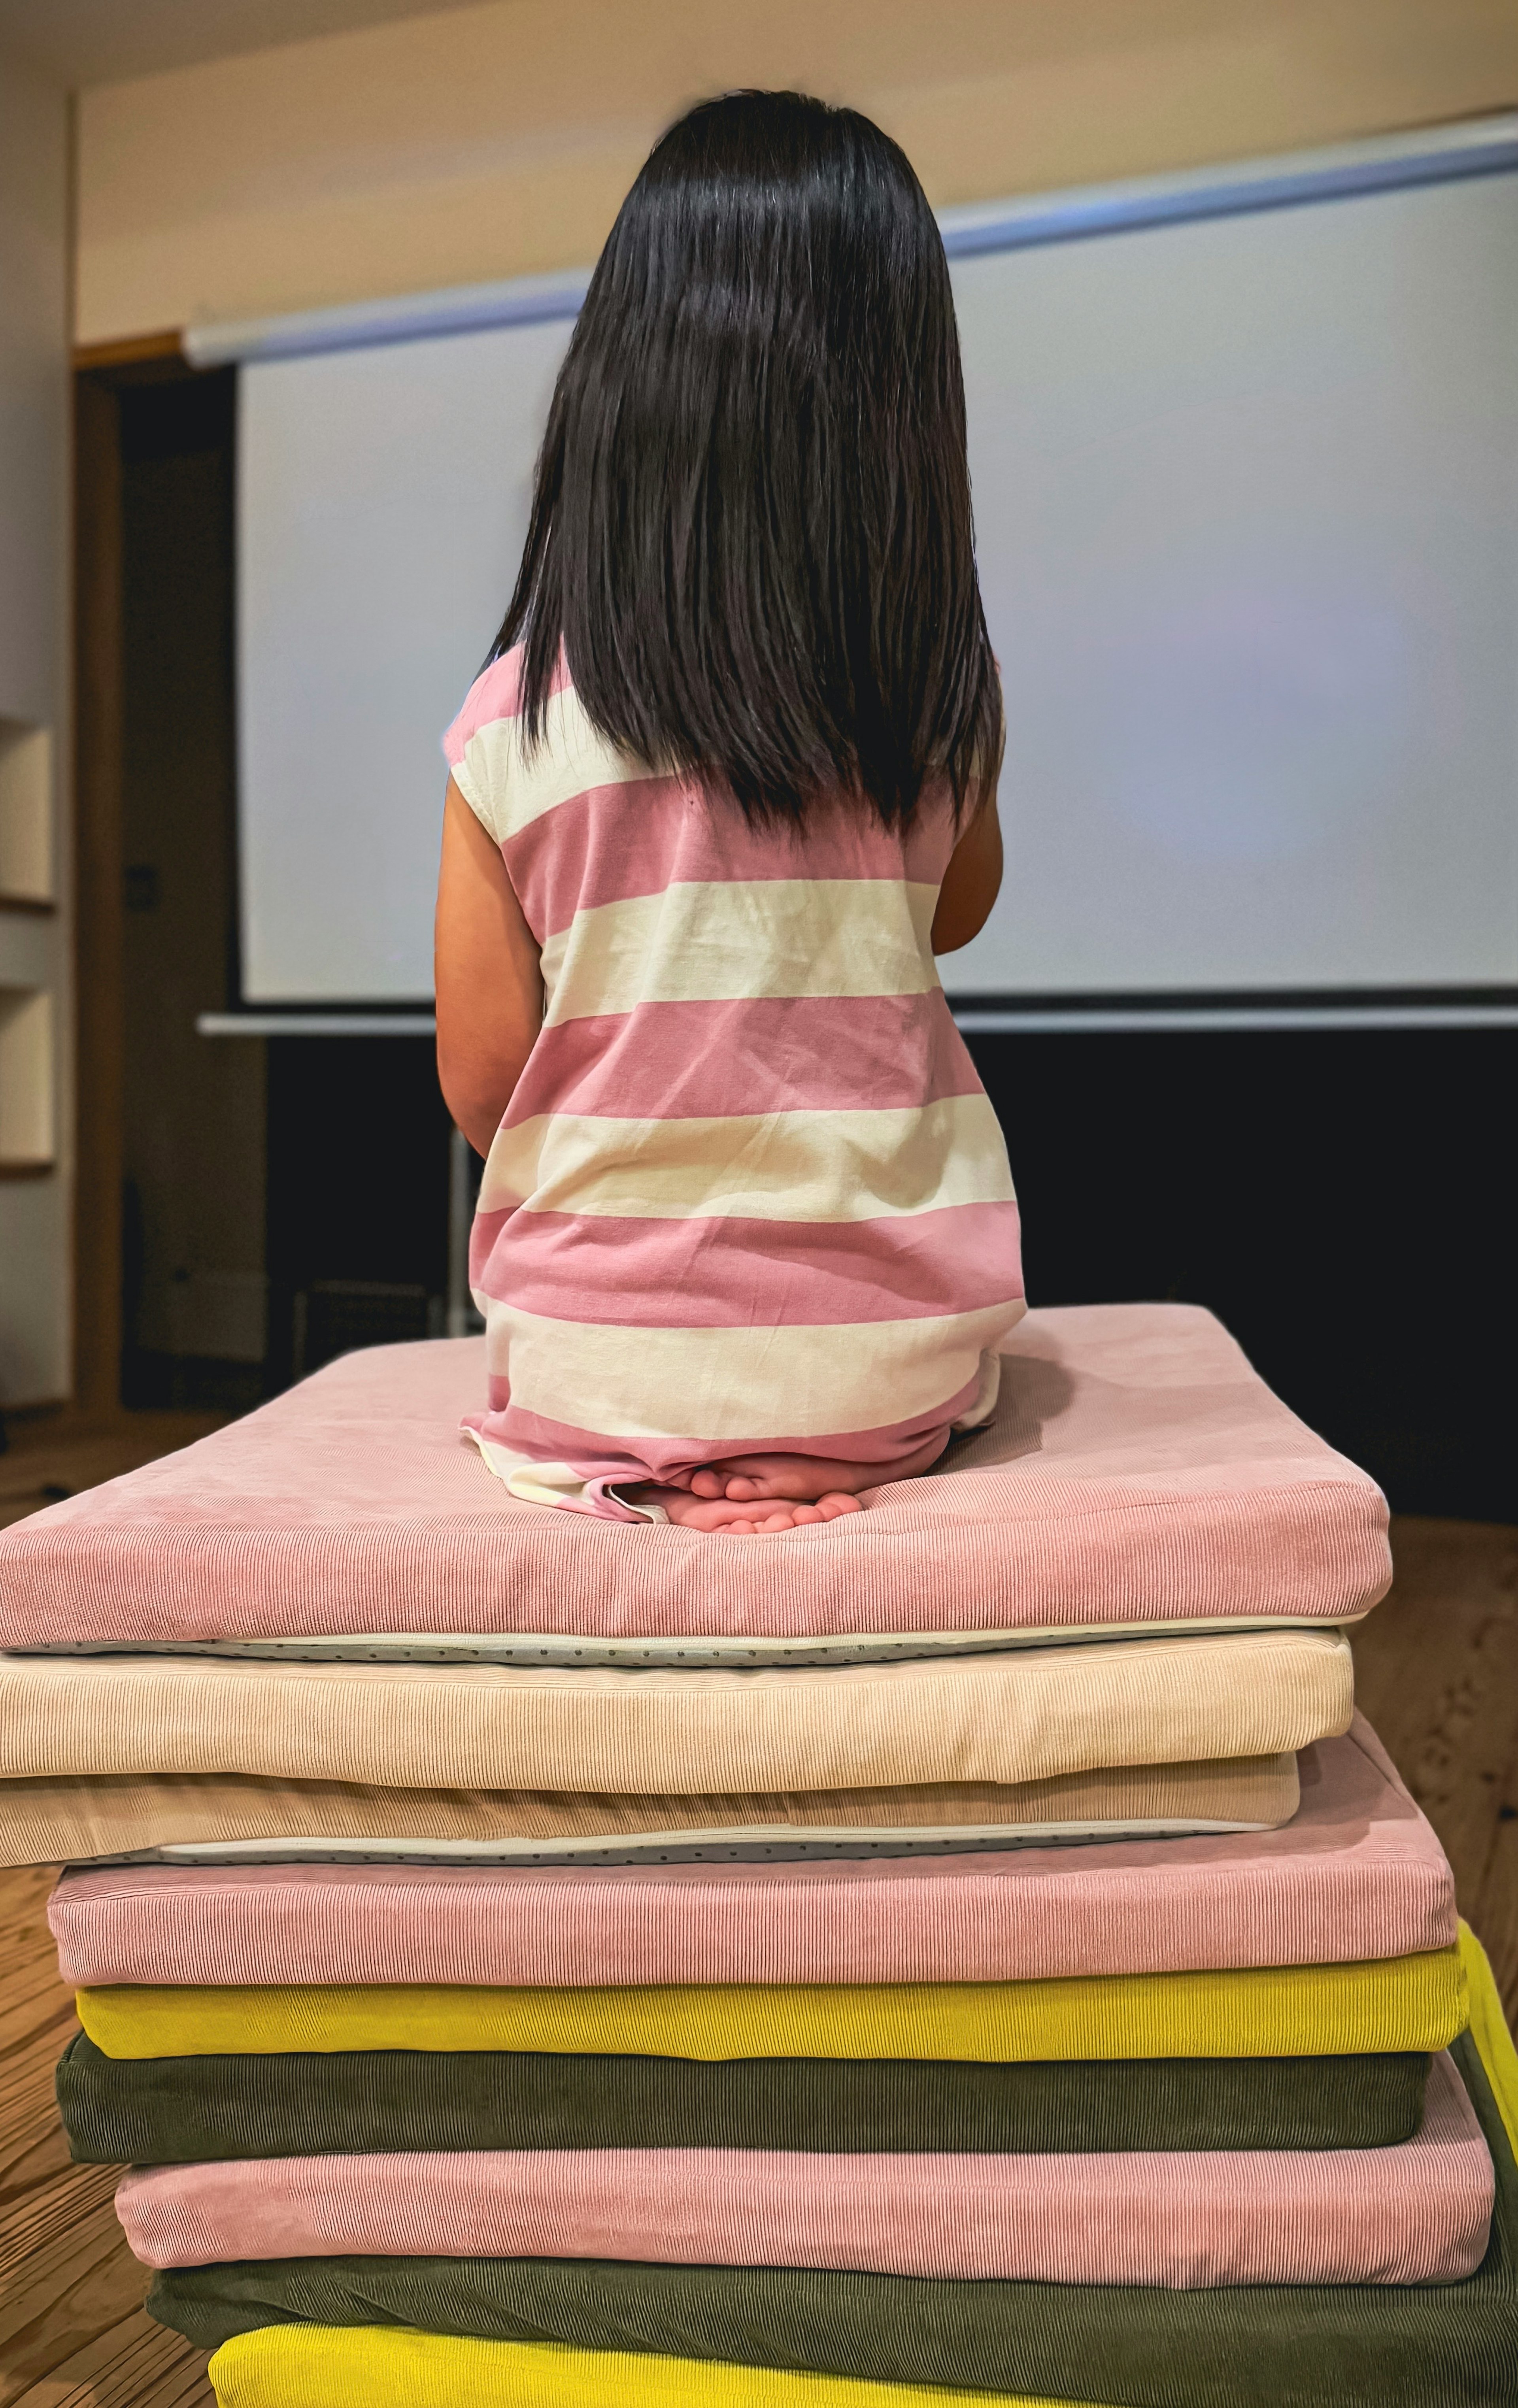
{"x":495,"y":141}
{"x":35,"y":1233}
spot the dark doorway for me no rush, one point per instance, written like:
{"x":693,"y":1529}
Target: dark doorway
{"x":248,"y":1206}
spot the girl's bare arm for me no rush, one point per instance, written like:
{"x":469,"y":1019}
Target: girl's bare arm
{"x":489,"y":977}
{"x":972,"y":881}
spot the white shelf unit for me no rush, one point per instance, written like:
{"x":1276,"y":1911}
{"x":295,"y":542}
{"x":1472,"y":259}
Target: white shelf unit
{"x":27,"y":1134}
{"x":28,"y":1069}
{"x":37,"y":968}
{"x":26,"y":863}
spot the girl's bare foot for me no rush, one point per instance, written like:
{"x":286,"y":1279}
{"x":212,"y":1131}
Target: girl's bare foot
{"x":756,"y":1495}
{"x":750,"y":1479}
{"x":735,"y":1518}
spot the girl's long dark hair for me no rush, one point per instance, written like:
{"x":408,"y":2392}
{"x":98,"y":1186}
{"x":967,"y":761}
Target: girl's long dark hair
{"x":750,"y":524}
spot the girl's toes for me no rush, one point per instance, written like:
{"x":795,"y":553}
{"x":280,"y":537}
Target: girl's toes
{"x":743,"y":1491}
{"x":838,"y":1503}
{"x":801,"y":1513}
{"x":707,"y":1484}
{"x":705,"y":1515}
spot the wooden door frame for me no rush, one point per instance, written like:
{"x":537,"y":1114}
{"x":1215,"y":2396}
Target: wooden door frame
{"x":101,"y":373}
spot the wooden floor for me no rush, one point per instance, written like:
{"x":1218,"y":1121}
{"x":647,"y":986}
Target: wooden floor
{"x":1438,"y":1674}
{"x":46,"y":1459}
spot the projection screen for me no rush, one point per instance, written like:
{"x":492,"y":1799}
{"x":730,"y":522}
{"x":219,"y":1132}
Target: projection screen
{"x":1246,"y":493}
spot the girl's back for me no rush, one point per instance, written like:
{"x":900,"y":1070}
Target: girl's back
{"x":749,"y":1184}
{"x":747,"y":1198}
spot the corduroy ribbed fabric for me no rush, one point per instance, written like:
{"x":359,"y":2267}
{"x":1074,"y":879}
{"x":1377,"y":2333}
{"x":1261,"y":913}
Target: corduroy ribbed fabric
{"x":1024,"y":1715}
{"x":174,"y":2110}
{"x":72,"y":1817}
{"x":1358,"y":1875}
{"x":1395,"y":2003}
{"x":325,"y":2368}
{"x":1330,"y":2346}
{"x":1336,"y":2345}
{"x":1138,"y":1473}
{"x":1419,"y":2212}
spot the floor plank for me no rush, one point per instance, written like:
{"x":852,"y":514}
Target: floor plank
{"x":45,"y":1461}
{"x":72,"y":2330}
{"x":134,"y":2364}
{"x":1437,"y":1667}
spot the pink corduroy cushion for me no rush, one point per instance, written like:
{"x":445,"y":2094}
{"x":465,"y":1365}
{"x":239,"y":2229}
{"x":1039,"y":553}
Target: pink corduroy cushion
{"x":1357,"y":1875}
{"x":1138,"y":1473}
{"x":1415,"y":2213}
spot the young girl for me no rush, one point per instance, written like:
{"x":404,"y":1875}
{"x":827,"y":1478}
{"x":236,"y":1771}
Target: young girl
{"x":747,"y":1239}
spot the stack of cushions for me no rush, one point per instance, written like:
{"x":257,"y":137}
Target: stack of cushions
{"x":1119,"y":1610}
{"x":970,"y":1946}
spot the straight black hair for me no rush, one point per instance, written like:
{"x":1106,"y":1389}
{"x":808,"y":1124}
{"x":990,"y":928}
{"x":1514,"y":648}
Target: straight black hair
{"x":750,"y":524}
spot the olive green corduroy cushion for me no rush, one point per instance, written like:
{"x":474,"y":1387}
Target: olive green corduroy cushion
{"x":177,"y":2110}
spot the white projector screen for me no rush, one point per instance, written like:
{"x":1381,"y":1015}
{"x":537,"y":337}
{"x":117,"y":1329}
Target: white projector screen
{"x":382,"y":502}
{"x":1246,"y":494}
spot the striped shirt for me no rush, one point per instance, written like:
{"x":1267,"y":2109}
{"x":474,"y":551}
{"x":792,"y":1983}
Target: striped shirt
{"x":749,"y":1193}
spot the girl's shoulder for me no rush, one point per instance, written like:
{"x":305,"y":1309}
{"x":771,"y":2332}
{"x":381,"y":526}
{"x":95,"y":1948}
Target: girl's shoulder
{"x":495,"y":694}
{"x":482,"y":747}
{"x":513,"y":787}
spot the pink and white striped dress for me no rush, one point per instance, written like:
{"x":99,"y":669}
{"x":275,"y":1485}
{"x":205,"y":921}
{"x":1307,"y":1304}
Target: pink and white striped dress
{"x":750,"y":1193}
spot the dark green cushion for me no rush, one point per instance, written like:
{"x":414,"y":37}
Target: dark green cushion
{"x":174,"y":2110}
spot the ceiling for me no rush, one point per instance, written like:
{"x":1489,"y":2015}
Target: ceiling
{"x":105,"y":41}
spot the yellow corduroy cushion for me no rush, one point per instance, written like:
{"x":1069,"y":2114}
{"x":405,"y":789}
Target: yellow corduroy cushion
{"x":1489,"y":2030}
{"x":1398,"y":2003}
{"x":319,"y":2366}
